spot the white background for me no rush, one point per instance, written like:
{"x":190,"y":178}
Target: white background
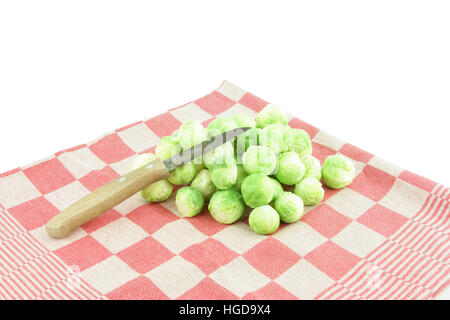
{"x":373,"y":73}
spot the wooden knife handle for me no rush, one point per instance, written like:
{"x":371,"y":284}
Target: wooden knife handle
{"x":105,"y":198}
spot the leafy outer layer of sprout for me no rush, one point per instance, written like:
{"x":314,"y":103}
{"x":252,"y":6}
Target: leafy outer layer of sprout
{"x":141,"y":160}
{"x":191,"y":133}
{"x":301,"y":142}
{"x":290,"y":168}
{"x":241,"y":175}
{"x":312,"y":165}
{"x":157,"y":191}
{"x":290,"y":207}
{"x":182,"y":175}
{"x":189,"y":201}
{"x":167,"y":147}
{"x":271,"y":114}
{"x":243,"y":120}
{"x":259,"y":159}
{"x":257,"y":190}
{"x":337,"y":171}
{"x":222,"y":155}
{"x":310,"y":190}
{"x":245,"y":140}
{"x":277,"y":188}
{"x":277,"y":137}
{"x":226,"y":206}
{"x":264,"y":220}
{"x":224,"y":177}
{"x":221,"y":125}
{"x":204,"y":184}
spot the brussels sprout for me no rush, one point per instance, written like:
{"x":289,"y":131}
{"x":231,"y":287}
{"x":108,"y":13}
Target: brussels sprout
{"x":337,"y":171}
{"x":241,"y":175}
{"x":243,"y":120}
{"x":157,"y":191}
{"x":141,"y":160}
{"x":277,"y":188}
{"x":259,"y":159}
{"x":277,"y":137}
{"x":245,"y":140}
{"x":301,"y":142}
{"x":222,"y":155}
{"x":226,"y":206}
{"x":312,"y":165}
{"x":290,"y":168}
{"x":221,"y":125}
{"x":204,"y":184}
{"x":191,"y":133}
{"x":257,"y":190}
{"x":264,"y":220}
{"x":224,"y":177}
{"x":189,"y":201}
{"x":271,"y":114}
{"x":290,"y":207}
{"x":167,"y":148}
{"x":182,"y":175}
{"x":310,"y":190}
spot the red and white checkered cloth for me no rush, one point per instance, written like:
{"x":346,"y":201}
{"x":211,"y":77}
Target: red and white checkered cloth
{"x":386,"y":236}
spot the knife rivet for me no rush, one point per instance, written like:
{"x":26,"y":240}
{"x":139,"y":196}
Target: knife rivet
{"x":149,"y":166}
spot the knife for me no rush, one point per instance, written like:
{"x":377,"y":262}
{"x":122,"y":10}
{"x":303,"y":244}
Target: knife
{"x":120,"y":189}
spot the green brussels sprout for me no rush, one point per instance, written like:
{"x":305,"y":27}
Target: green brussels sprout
{"x":157,"y":191}
{"x":141,"y":160}
{"x":189,"y":201}
{"x":182,"y":175}
{"x":221,"y":125}
{"x":290,"y":207}
{"x":290,"y":168}
{"x":312,"y":165}
{"x":259,"y":159}
{"x":337,"y":171}
{"x":167,"y":148}
{"x":204,"y":184}
{"x":271,"y":114}
{"x":243,"y":120}
{"x":310,"y":190}
{"x":224,"y":177}
{"x":226,"y":206}
{"x":301,"y":142}
{"x":257,"y":190}
{"x":264,"y":220}
{"x":277,"y":137}
{"x":222,"y":155}
{"x":245,"y":140}
{"x":191,"y":133}
{"x":277,"y":188}
{"x":241,"y":175}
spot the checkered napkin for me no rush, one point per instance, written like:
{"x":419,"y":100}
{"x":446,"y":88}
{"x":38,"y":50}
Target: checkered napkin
{"x":386,"y":236}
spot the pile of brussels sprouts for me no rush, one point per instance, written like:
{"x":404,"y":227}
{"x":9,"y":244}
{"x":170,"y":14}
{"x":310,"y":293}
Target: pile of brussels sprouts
{"x":248,"y":171}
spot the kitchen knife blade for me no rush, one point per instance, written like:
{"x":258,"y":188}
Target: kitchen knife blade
{"x":188,"y":155}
